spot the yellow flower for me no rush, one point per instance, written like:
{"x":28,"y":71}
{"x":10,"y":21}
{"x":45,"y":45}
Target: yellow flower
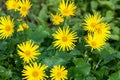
{"x":28,"y":51}
{"x":22,"y":27}
{"x":65,"y":39}
{"x":57,"y":19}
{"x":91,"y":21}
{"x":58,"y":73}
{"x":34,"y":72}
{"x":67,"y":8}
{"x":6,"y":27}
{"x":94,"y":41}
{"x":103,"y":31}
{"x":12,"y":4}
{"x":25,"y":5}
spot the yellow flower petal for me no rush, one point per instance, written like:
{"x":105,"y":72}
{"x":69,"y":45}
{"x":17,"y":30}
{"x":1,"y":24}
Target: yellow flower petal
{"x":34,"y":72}
{"x":58,"y":73}
{"x":25,"y":5}
{"x":6,"y":27}
{"x":28,"y":51}
{"x":65,"y":39}
{"x":57,"y":19}
{"x":67,"y":8}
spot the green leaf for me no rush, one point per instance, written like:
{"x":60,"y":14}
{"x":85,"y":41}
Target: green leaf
{"x":115,"y":30}
{"x":5,"y":73}
{"x":75,"y":52}
{"x":43,"y":15}
{"x":115,"y":76}
{"x":101,"y":72}
{"x":117,"y":55}
{"x":74,"y":74}
{"x":8,"y":73}
{"x":2,"y":69}
{"x":64,"y":55}
{"x":2,"y":13}
{"x":94,"y":5}
{"x":107,"y":54}
{"x":91,"y":78}
{"x":51,"y":61}
{"x":39,"y":34}
{"x":2,"y":56}
{"x":109,"y":16}
{"x":115,"y":37}
{"x":82,"y":66}
{"x":53,"y":5}
{"x":107,"y":3}
{"x":3,"y":45}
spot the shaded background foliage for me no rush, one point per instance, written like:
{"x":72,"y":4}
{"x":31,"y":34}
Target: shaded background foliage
{"x":80,"y":62}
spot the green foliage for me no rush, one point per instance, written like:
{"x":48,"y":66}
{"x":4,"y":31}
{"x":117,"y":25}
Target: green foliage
{"x":81,"y":63}
{"x":115,"y":76}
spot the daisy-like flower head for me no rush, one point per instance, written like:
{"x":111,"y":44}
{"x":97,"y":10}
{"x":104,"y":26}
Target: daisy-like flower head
{"x":25,"y":5}
{"x":103,"y":30}
{"x":65,"y":39}
{"x":58,"y":73}
{"x":94,"y":41}
{"x":57,"y":19}
{"x":34,"y":72}
{"x":12,"y":4}
{"x":28,"y":51}
{"x":6,"y":27}
{"x":91,"y":21}
{"x":67,"y":8}
{"x":22,"y":27}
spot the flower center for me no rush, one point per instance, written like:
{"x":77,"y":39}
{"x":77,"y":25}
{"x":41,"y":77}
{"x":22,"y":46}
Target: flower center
{"x":35,"y":73}
{"x":58,"y":74}
{"x":27,"y":52}
{"x":66,"y":11}
{"x":93,"y":24}
{"x":64,"y":39}
{"x":7,"y":28}
{"x":93,"y":44}
{"x":56,"y":18}
{"x":13,"y":5}
{"x":24,"y":8}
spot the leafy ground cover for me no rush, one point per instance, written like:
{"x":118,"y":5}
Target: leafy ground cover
{"x":59,"y":39}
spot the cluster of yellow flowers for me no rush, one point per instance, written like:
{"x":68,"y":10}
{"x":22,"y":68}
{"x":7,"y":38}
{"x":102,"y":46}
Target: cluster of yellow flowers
{"x":7,"y":24}
{"x":37,"y":72}
{"x":7,"y":27}
{"x":22,"y":6}
{"x":66,"y":9}
{"x":28,"y":51}
{"x":65,"y":38}
{"x":98,"y":33}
